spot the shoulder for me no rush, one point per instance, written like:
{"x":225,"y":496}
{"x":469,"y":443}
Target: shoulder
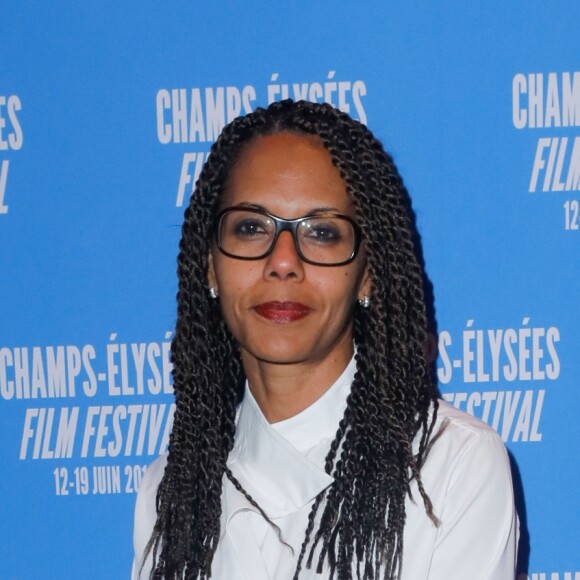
{"x":462,"y":431}
{"x":145,"y":506}
{"x":153,"y":476}
{"x":465,"y":451}
{"x":462,"y":421}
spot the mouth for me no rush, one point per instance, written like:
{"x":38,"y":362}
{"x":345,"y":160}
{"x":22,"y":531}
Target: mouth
{"x":282,"y":312}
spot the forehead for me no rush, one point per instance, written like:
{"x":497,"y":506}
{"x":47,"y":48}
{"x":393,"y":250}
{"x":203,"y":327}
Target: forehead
{"x":289,"y":174}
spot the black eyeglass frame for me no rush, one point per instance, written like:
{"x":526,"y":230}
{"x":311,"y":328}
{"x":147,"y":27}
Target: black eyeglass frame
{"x":284,"y":225}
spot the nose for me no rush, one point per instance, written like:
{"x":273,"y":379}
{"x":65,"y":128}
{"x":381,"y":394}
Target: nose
{"x":284,"y":262}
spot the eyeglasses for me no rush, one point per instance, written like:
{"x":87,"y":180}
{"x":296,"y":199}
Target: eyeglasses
{"x":320,"y":239}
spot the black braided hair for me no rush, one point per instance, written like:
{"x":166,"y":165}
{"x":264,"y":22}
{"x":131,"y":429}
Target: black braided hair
{"x":359,"y":520}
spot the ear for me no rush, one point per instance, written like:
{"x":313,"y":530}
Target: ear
{"x":211,"y":277}
{"x":365,"y":285}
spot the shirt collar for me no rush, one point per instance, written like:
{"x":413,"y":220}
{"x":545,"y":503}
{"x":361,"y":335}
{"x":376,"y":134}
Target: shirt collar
{"x":281,"y":465}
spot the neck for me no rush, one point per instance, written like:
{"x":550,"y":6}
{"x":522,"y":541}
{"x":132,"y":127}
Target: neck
{"x":284,"y":390}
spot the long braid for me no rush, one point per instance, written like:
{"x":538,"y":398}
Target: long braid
{"x":360,"y":518}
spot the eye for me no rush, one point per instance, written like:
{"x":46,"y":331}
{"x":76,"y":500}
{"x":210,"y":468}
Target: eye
{"x":323,"y":231}
{"x":250,"y":227}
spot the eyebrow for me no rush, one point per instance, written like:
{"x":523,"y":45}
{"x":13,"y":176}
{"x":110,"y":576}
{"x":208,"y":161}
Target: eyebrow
{"x":260,"y":207}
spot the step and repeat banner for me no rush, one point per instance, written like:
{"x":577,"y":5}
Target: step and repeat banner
{"x":107,"y":113}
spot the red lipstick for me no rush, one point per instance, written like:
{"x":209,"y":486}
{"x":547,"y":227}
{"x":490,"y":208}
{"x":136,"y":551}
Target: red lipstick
{"x":282,"y":312}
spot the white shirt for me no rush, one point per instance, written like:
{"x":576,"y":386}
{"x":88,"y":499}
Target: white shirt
{"x":466,"y":476}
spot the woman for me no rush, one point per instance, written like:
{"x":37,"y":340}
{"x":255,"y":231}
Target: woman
{"x":308,"y":441}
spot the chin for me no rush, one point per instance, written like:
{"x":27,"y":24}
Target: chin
{"x":279,"y":352}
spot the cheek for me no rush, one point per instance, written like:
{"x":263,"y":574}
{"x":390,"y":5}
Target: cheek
{"x":233,"y":276}
{"x":228,"y":314}
{"x":231,"y":313}
{"x":340,"y":291}
{"x":234,"y":283}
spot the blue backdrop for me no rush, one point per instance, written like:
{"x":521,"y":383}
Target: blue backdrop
{"x":107,"y":111}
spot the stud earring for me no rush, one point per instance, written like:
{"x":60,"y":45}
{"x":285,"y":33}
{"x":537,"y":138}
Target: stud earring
{"x":365,"y":302}
{"x":213,"y":293}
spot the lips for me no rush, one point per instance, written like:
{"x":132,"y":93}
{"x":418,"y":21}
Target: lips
{"x":282,"y":312}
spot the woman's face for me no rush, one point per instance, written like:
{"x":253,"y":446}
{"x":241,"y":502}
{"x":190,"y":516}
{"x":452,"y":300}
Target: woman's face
{"x":280,"y":309}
